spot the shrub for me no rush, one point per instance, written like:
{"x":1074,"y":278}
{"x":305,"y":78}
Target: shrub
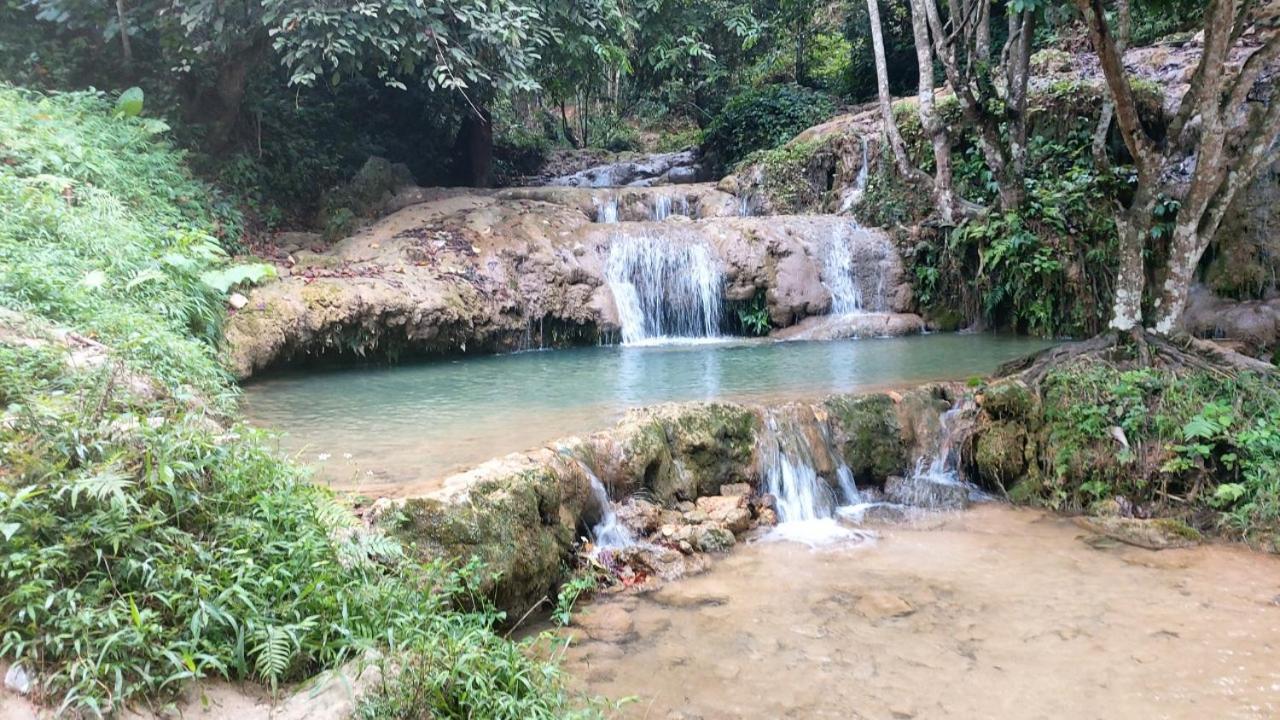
{"x":146,"y":538}
{"x":764,"y":119}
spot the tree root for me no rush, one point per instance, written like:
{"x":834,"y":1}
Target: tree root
{"x":1138,"y":348}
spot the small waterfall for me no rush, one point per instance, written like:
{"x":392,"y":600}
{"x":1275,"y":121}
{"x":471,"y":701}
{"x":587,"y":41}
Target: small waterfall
{"x":744,"y":206}
{"x":664,"y":289}
{"x":855,"y":192}
{"x":790,"y":451}
{"x":664,"y":206}
{"x":608,"y":533}
{"x":607,"y":209}
{"x":855,"y":286}
{"x":942,"y":465}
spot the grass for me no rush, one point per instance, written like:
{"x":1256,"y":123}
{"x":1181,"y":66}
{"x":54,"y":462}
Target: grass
{"x":147,"y":538}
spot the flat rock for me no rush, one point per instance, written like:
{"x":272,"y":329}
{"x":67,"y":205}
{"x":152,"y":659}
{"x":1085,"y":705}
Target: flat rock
{"x":1151,"y":534}
{"x":610,"y":623}
{"x":880,"y":605}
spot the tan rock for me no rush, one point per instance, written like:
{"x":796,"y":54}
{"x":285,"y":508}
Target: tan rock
{"x":878,"y":605}
{"x":606,"y":622}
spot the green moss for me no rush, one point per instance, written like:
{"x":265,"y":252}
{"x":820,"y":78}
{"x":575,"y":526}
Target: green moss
{"x":1178,"y":528}
{"x":788,"y":172}
{"x":1010,"y":399}
{"x":1000,"y":453}
{"x":872,"y":436}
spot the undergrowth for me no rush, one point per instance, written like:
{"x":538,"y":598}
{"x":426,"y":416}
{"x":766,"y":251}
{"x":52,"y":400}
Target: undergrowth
{"x":146,"y":537}
{"x":1198,"y":445}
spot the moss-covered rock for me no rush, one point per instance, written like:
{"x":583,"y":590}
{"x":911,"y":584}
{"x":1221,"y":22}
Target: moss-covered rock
{"x":870,"y":436}
{"x":1000,"y":453}
{"x":1011,"y":400}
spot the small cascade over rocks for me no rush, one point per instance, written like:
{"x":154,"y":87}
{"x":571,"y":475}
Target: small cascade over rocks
{"x":795,"y":451}
{"x":607,"y":209}
{"x":853,"y":195}
{"x":854,"y":270}
{"x":936,"y":482}
{"x":664,"y":206}
{"x":608,"y":533}
{"x":664,"y":288}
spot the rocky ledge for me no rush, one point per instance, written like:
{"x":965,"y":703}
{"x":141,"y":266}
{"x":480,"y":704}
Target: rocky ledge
{"x":691,"y":478}
{"x":461,"y":272}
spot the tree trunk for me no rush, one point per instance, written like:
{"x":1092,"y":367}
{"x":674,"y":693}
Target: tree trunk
{"x":886,"y":102}
{"x":1103,"y":129}
{"x":475,"y":148}
{"x":1133,"y":226}
{"x":218,"y":108}
{"x":126,"y":50}
{"x":944,"y":195}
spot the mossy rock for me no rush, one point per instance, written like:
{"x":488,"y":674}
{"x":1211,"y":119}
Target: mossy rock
{"x":871,"y":435}
{"x":1000,"y":453}
{"x":714,"y":446}
{"x":1010,"y":400}
{"x":515,"y":525}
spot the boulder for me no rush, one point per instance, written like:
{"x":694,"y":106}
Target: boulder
{"x":711,"y":537}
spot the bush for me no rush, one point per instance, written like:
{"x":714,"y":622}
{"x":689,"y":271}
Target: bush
{"x":146,"y":538}
{"x":764,"y":119}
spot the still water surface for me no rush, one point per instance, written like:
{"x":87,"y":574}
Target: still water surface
{"x":400,"y":430}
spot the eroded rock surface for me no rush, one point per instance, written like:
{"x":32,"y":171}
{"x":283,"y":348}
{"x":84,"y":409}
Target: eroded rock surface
{"x":524,"y":268}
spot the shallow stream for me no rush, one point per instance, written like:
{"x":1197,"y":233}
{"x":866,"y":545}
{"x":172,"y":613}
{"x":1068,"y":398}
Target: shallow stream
{"x":991,"y":613}
{"x":399,"y":430}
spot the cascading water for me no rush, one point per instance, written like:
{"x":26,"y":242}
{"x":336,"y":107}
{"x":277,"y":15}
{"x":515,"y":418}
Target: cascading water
{"x":855,"y":192}
{"x":607,"y":209}
{"x":608,"y":533}
{"x":664,"y":206}
{"x":807,"y":503}
{"x":744,"y":206}
{"x":663,"y":288}
{"x":856,"y":284}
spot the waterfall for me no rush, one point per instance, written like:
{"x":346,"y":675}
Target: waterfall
{"x":607,"y":209}
{"x":942,"y":464}
{"x":855,"y":192}
{"x":608,"y":533}
{"x":663,"y":289}
{"x":790,"y":450}
{"x":856,"y":284}
{"x":744,"y":206}
{"x":664,"y":206}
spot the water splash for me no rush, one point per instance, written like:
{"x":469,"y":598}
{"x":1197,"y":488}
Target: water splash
{"x":607,"y":209}
{"x":663,"y":288}
{"x":791,"y":448}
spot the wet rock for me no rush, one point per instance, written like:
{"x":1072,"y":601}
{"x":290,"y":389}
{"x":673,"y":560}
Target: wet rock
{"x":865,"y":325}
{"x":878,"y":514}
{"x":767,"y":516}
{"x":1009,"y":399}
{"x":735,"y":489}
{"x":237,"y":301}
{"x":871,"y":436}
{"x":918,"y":490}
{"x":640,"y":170}
{"x":696,"y":517}
{"x":881,"y":605}
{"x":683,"y":596}
{"x":682,"y":175}
{"x":608,"y":622}
{"x":713,"y":538}
{"x":640,"y":515}
{"x":1152,"y":534}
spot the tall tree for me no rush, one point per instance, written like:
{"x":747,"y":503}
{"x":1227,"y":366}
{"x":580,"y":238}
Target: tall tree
{"x":1225,"y":129}
{"x":992,"y":91}
{"x":943,"y":185}
{"x":889,"y":123}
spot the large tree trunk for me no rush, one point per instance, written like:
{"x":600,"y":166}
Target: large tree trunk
{"x":896,"y":144}
{"x":218,"y":107}
{"x":1133,"y":226}
{"x":474,"y":148}
{"x":943,"y":187}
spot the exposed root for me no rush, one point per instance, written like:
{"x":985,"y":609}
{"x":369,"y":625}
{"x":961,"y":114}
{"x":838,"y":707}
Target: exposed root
{"x":1138,"y":348}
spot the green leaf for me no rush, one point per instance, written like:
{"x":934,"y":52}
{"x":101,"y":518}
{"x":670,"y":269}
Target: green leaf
{"x":224,"y":279}
{"x":130,"y":102}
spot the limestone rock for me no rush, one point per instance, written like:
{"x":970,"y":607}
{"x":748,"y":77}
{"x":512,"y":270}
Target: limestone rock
{"x":876,"y":606}
{"x":1152,"y":534}
{"x":711,"y":537}
{"x":18,"y":679}
{"x":734,"y":489}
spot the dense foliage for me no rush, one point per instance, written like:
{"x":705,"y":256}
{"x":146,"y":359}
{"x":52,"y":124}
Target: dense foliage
{"x":1196,"y":445}
{"x":764,"y":119}
{"x":146,"y":536}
